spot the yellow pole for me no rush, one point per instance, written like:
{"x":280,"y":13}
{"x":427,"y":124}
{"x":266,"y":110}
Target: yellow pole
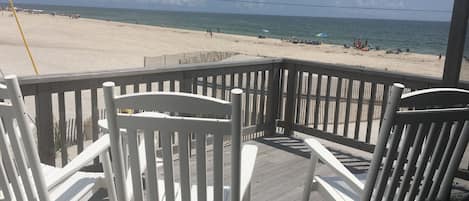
{"x":24,"y":39}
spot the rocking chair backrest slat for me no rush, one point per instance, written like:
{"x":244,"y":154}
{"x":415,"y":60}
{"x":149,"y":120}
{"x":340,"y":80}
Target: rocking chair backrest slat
{"x":419,"y":146}
{"x":151,"y":177}
{"x":183,"y":139}
{"x":206,"y":118}
{"x":441,"y":97}
{"x":10,"y":166}
{"x":20,"y":158}
{"x":171,"y":102}
{"x":201,"y":167}
{"x":4,"y":183}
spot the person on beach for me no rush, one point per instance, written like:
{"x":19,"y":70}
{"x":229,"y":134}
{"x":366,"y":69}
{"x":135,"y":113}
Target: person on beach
{"x":439,"y":57}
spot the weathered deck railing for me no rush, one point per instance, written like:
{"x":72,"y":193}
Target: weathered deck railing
{"x":340,"y":103}
{"x":60,"y":96}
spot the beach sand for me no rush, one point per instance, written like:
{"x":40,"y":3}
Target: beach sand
{"x":63,"y":45}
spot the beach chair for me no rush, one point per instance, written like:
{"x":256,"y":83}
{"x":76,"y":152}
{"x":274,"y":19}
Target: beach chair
{"x":420,"y":145}
{"x":206,"y":118}
{"x":23,"y":177}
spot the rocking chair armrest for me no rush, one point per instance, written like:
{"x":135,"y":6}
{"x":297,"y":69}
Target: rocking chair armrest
{"x":331,"y":161}
{"x":83,"y":159}
{"x":248,"y":160}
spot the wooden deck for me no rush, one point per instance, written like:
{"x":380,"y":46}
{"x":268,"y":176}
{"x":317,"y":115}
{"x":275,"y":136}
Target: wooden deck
{"x":282,"y":163}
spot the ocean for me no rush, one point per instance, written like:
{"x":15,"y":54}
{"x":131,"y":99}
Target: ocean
{"x":419,"y":36}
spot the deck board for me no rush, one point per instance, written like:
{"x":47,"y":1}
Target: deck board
{"x":281,"y":166}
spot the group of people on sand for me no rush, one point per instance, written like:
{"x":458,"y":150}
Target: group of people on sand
{"x":210,"y":32}
{"x":359,"y":44}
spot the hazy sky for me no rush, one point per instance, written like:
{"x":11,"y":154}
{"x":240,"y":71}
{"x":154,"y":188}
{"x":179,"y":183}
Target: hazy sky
{"x":300,"y":8}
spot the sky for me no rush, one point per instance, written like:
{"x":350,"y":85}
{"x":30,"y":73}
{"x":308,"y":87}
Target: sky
{"x":285,"y":7}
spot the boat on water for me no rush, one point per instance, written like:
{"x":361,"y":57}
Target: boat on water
{"x":322,"y":35}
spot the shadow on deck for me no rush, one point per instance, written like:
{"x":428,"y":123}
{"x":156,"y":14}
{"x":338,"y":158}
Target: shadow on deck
{"x":282,"y":163}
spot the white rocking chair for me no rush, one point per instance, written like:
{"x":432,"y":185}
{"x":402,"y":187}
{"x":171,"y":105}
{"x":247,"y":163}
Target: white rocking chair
{"x":416,"y":157}
{"x":23,"y":177}
{"x":224,"y":120}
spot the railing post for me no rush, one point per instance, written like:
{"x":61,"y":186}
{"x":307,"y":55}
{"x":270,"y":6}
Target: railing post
{"x":273,"y":89}
{"x":45,"y":130}
{"x":290,"y":103}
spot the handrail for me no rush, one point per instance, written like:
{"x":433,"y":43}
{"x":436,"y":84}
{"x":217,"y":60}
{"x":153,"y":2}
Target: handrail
{"x":124,"y":72}
{"x":344,"y":96}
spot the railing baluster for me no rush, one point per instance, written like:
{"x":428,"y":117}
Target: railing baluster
{"x":148,"y":86}
{"x":347,"y":106}
{"x":383,"y":104}
{"x":318,"y":101}
{"x":160,"y":85}
{"x":308,"y":98}
{"x":62,"y":129}
{"x":247,"y":105}
{"x":136,"y":88}
{"x":359,"y":110}
{"x":282,"y":79}
{"x":371,"y":108}
{"x":195,"y":85}
{"x":94,"y":117}
{"x":262,"y":99}
{"x":172,"y":85}
{"x":255,"y":99}
{"x":214,"y":85}
{"x":79,"y":121}
{"x":204,"y":86}
{"x":326,"y":109}
{"x":338,"y":95}
{"x":223,"y":86}
{"x":123,"y":89}
{"x":298,"y":97}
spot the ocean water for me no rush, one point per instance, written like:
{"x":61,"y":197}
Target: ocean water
{"x":419,"y":36}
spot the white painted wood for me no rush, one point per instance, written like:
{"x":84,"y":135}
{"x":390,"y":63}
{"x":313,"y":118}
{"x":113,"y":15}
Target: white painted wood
{"x":418,"y":151}
{"x":184,"y":170}
{"x":174,"y":102}
{"x":107,"y":169}
{"x":4,"y":92}
{"x":118,"y":166}
{"x":4,"y":184}
{"x":151,"y":174}
{"x":248,"y":160}
{"x":135,"y":167}
{"x":328,"y":158}
{"x":26,"y":175}
{"x":236,"y":95}
{"x":180,"y":124}
{"x":214,"y":122}
{"x":10,"y":165}
{"x":309,"y":177}
{"x":168,"y":164}
{"x":201,"y":166}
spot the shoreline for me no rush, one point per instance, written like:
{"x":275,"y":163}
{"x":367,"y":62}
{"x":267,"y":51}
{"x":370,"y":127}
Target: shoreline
{"x":149,"y":40}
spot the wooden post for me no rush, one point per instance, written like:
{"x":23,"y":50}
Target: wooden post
{"x":290,"y":103}
{"x":456,"y":43}
{"x":273,"y":89}
{"x":45,"y":130}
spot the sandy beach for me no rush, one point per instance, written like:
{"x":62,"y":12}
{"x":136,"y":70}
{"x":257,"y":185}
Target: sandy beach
{"x":62,"y":45}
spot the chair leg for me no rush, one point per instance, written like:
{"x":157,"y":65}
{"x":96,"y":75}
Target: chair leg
{"x":111,"y":188}
{"x":247,"y":194}
{"x":309,"y":178}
